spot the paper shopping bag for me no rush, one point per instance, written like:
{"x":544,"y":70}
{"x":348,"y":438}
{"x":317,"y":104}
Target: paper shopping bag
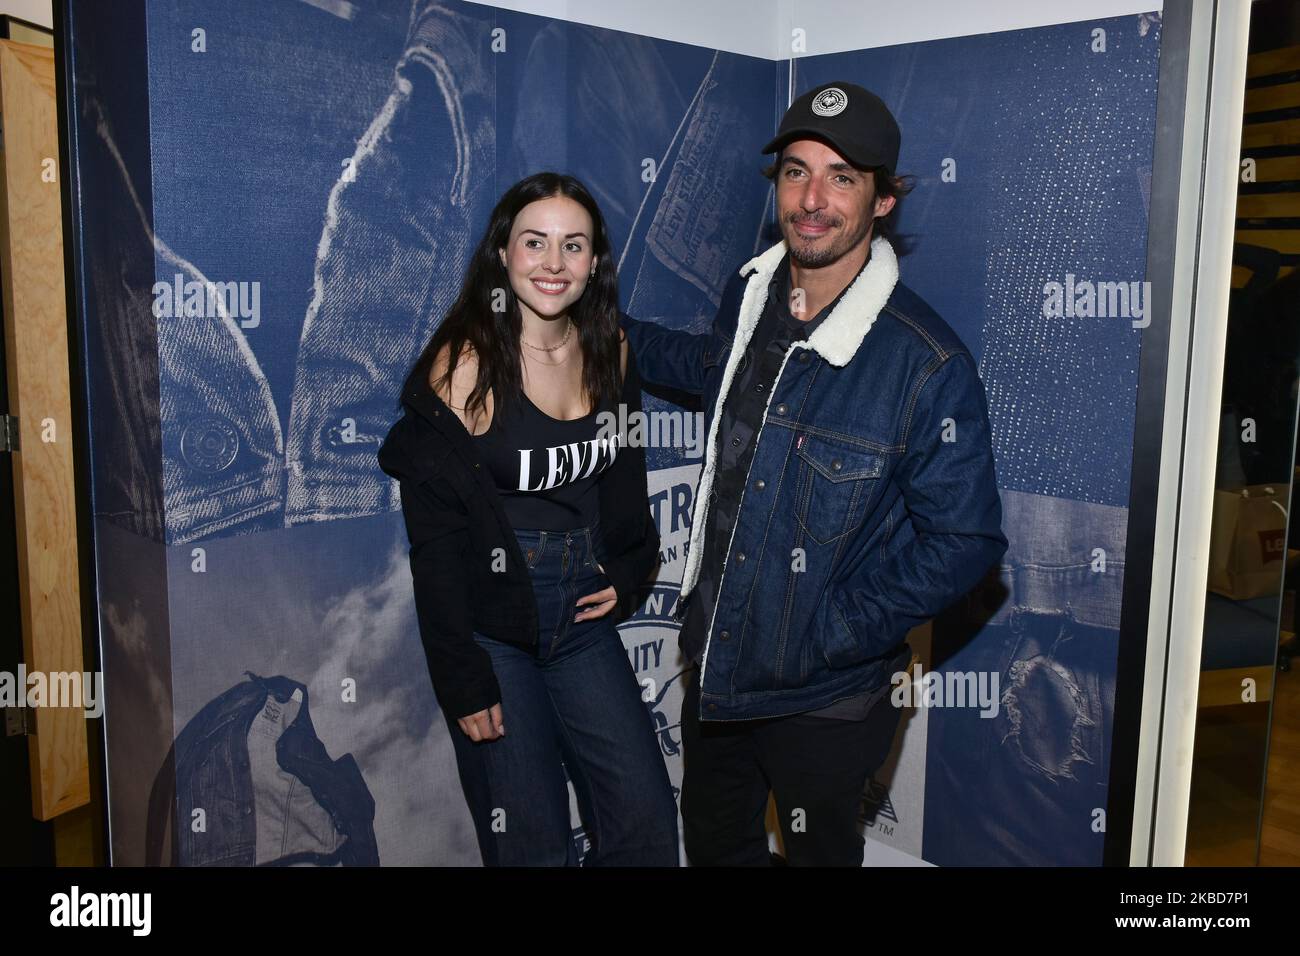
{"x":1248,"y":540}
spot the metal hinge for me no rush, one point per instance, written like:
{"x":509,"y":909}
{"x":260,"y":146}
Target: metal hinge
{"x":19,"y":721}
{"x":8,"y":433}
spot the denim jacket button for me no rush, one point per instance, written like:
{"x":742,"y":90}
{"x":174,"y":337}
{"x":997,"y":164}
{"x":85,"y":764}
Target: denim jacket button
{"x":724,"y":635}
{"x":780,"y":409}
{"x":803,"y":355}
{"x":209,"y":444}
{"x":740,"y":558}
{"x":760,"y":485}
{"x":837,"y":465}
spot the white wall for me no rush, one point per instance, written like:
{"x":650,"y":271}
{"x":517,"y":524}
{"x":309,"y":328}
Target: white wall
{"x":34,"y":11}
{"x":736,"y":26}
{"x":763,"y":27}
{"x":834,"y":26}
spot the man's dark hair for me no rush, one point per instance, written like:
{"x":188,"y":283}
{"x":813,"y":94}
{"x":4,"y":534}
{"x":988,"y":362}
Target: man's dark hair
{"x":885,"y":183}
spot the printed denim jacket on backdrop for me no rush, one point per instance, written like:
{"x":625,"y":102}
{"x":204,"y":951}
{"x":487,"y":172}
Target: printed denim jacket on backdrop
{"x":871,"y":504}
{"x":240,"y":452}
{"x":208,"y":767}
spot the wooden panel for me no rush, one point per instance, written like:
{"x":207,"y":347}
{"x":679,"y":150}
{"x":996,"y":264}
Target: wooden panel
{"x":21,"y":33}
{"x":1241,"y":275}
{"x":1222,"y":688}
{"x":36,"y":346}
{"x":1268,"y":205}
{"x":1278,"y":133}
{"x":1272,"y":97}
{"x":1280,"y":833}
{"x":1283,"y":60}
{"x":1274,"y":169}
{"x":1283,"y":240}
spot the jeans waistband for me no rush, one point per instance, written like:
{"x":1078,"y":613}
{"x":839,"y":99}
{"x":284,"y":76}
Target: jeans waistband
{"x":539,"y":542}
{"x":535,"y":534}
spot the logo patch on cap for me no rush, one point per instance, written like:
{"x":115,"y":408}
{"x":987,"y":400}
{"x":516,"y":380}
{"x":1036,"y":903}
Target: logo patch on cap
{"x":830,"y":102}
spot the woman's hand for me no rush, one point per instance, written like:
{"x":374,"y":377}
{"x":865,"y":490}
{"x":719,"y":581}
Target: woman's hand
{"x":602,"y":602}
{"x":485,"y":725}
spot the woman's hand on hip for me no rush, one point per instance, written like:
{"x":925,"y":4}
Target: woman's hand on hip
{"x":485,"y":725}
{"x":602,"y":602}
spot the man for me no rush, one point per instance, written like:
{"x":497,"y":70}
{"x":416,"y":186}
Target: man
{"x":848,"y":494}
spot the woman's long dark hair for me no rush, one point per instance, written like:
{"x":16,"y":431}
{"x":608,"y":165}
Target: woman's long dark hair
{"x":494,"y":335}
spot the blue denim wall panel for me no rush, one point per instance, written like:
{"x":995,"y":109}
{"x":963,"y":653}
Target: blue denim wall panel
{"x":326,"y":169}
{"x":1032,"y":151}
{"x":275,"y":218}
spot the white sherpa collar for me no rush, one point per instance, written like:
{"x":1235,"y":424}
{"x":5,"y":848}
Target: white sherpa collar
{"x":836,"y":340}
{"x":840,"y":333}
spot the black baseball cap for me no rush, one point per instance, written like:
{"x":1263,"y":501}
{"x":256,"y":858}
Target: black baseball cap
{"x":853,"y":120}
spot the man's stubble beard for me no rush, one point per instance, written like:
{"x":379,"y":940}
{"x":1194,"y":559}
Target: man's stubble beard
{"x":807,"y":259}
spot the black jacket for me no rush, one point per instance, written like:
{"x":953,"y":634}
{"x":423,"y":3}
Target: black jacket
{"x":455,"y":521}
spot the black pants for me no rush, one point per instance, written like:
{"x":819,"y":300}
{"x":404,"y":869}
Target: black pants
{"x":816,"y":767}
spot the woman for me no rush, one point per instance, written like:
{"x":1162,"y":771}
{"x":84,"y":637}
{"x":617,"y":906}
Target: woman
{"x":508,"y":429}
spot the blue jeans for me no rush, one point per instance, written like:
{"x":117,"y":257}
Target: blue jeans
{"x":1052,"y":639}
{"x":571,"y":704}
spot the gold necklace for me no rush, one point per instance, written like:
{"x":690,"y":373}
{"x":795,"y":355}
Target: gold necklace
{"x":553,"y":348}
{"x":549,"y":364}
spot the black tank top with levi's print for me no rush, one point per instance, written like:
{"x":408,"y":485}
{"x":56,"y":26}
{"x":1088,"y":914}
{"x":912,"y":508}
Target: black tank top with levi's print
{"x":546,"y":468}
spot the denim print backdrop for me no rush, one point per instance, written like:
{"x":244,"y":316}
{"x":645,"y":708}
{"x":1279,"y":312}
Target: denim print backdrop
{"x":336,"y":162}
{"x":292,"y":435}
{"x":344,"y":156}
{"x":1047,"y":141}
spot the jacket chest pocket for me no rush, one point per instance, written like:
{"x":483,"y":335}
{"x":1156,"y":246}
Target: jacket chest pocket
{"x":836,"y":481}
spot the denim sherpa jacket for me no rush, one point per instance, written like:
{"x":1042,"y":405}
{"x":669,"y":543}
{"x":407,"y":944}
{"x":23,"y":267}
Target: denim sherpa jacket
{"x":871,"y":504}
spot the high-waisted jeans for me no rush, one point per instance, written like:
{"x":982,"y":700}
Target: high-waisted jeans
{"x":570,"y":707}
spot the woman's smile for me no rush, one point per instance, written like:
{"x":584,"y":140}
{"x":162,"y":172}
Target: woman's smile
{"x":552,"y":286}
